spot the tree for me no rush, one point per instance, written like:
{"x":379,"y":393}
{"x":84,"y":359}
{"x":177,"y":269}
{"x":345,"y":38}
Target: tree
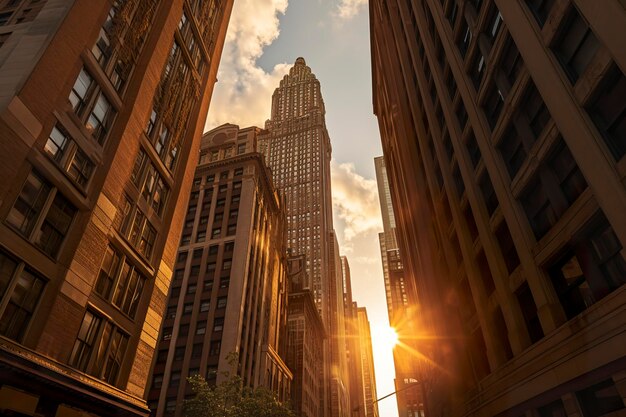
{"x":231,"y":399}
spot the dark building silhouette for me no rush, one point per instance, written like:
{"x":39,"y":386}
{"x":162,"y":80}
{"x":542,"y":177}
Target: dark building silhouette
{"x":503,"y":126}
{"x":102,"y":104}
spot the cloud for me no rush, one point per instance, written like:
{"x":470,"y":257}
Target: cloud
{"x":242,"y":93}
{"x":347,"y":9}
{"x":355,"y":203}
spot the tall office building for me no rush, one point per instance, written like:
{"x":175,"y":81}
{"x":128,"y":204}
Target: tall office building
{"x":298,"y":151}
{"x":353,"y":345}
{"x":101,"y":106}
{"x":370,"y":405}
{"x":305,"y":342}
{"x":229,"y":288}
{"x":408,"y":391}
{"x":503,"y":129}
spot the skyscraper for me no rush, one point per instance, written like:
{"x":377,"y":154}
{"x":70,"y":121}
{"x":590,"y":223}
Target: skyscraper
{"x":408,"y":391}
{"x":298,"y":151}
{"x":367,"y":364}
{"x":229,"y":289}
{"x":503,"y":129}
{"x":101,"y":106}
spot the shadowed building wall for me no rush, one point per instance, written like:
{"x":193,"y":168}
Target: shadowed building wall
{"x":503,"y":129}
{"x":102,"y":105}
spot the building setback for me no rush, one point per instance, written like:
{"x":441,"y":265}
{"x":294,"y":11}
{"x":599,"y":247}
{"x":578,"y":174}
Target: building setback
{"x":229,"y":286}
{"x":297,"y":148}
{"x":101,"y":107}
{"x":408,"y":392}
{"x":305,"y":345}
{"x":503,"y":129}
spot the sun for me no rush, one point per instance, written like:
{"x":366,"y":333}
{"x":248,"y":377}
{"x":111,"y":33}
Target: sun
{"x":389,"y":337}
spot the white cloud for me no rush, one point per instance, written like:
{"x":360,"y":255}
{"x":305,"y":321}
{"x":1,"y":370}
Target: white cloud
{"x":347,"y":9}
{"x":243,"y":92}
{"x":355,"y":203}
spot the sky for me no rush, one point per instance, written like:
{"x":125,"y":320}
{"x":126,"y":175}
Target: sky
{"x":263,"y":41}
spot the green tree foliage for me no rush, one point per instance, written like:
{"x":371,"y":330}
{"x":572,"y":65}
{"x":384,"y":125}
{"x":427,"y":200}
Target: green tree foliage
{"x":231,"y":399}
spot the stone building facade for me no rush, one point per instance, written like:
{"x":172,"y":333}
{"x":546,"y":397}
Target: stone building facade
{"x":229,"y":286}
{"x":503,"y":130}
{"x":102,"y":105}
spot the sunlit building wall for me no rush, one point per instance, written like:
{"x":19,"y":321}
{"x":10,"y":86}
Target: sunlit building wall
{"x":370,"y":403}
{"x":353,"y":345}
{"x":502,"y":124}
{"x":102,"y":105}
{"x":229,"y":287}
{"x":408,"y":392}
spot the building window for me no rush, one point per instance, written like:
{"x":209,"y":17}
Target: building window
{"x":221,"y":302}
{"x":191,"y":288}
{"x":489,"y":194}
{"x":570,"y":180}
{"x":608,"y":111}
{"x":465,"y":39}
{"x":20,"y":292}
{"x":238,"y":172}
{"x":214,"y":348}
{"x":507,"y":247}
{"x":591,"y":268}
{"x":534,"y":108}
{"x":136,"y":227}
{"x":575,"y":45}
{"x":492,"y":106}
{"x":554,"y":409}
{"x":42,"y":214}
{"x":231,"y":230}
{"x":485,"y":273}
{"x":541,"y":9}
{"x":205,"y":305}
{"x":215,"y":233}
{"x":218,"y":324}
{"x":68,"y":156}
{"x":241,"y":148}
{"x":539,"y":210}
{"x":511,"y":63}
{"x":201,"y":328}
{"x":99,"y":348}
{"x":502,"y":333}
{"x":120,"y":282}
{"x":557,"y":185}
{"x":600,"y":399}
{"x":512,"y":151}
{"x":92,"y":106}
{"x":529,"y":312}
{"x":227,"y":264}
{"x":179,"y":353}
{"x":477,"y":69}
{"x":149,"y":182}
